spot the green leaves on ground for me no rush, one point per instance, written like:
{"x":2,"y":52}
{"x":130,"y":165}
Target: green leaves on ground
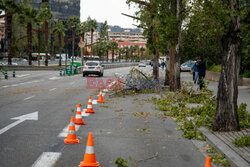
{"x":244,"y":116}
{"x":242,"y":141}
{"x":174,"y":105}
{"x":220,"y":159}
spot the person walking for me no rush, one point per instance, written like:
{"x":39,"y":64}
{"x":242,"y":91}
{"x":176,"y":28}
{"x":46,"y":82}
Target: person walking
{"x":195,"y":73}
{"x":201,"y":66}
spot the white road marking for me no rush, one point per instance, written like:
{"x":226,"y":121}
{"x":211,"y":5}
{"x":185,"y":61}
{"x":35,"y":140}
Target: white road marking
{"x":52,"y":89}
{"x":14,"y":85}
{"x":6,"y":86}
{"x":64,"y":132}
{"x":47,"y":159}
{"x":28,"y":98}
{"x":23,"y":75}
{"x":54,"y":78}
{"x":94,"y":102}
{"x":20,"y":119}
{"x":71,"y":83}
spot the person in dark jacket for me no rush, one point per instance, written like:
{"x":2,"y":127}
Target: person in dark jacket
{"x":201,"y":66}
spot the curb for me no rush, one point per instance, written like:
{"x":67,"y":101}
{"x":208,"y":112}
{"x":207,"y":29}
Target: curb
{"x":234,"y":159}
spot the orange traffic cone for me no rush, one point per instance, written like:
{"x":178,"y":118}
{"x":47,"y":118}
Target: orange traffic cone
{"x":208,"y":162}
{"x":79,"y":120}
{"x":71,"y":137}
{"x":89,"y":157}
{"x":100,"y":99}
{"x":89,"y":108}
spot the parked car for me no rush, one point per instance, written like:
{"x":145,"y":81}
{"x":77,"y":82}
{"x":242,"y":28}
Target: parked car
{"x":142,"y":64}
{"x":187,"y":66}
{"x":93,"y":67}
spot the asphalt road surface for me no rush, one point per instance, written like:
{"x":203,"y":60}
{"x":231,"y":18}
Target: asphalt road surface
{"x":37,"y":139}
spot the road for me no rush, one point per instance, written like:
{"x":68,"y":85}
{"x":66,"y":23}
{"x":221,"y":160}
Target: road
{"x":39,"y":143}
{"x":53,"y":97}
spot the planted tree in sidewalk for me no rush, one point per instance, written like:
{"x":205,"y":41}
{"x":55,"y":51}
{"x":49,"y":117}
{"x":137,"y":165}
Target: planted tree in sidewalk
{"x":226,"y":118}
{"x":73,"y":23}
{"x":147,"y":16}
{"x":59,"y":30}
{"x":11,"y":8}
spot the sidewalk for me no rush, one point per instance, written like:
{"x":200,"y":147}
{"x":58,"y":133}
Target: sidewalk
{"x":132,"y":127}
{"x":222,"y":141}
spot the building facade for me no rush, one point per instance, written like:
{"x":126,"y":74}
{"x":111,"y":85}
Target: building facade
{"x":61,"y":9}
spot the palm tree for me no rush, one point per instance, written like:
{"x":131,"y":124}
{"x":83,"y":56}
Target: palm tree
{"x":10,"y":7}
{"x":45,"y":15}
{"x":120,"y":52}
{"x":60,"y":31}
{"x":107,"y":49}
{"x":113,"y":48}
{"x":132,"y":50}
{"x":92,"y":26}
{"x":82,"y":29}
{"x":73,"y":23}
{"x":142,"y":50}
{"x":28,"y":17}
{"x":126,"y":51}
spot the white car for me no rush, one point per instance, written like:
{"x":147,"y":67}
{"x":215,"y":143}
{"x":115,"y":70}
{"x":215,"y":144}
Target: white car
{"x":92,"y":67}
{"x":142,"y":64}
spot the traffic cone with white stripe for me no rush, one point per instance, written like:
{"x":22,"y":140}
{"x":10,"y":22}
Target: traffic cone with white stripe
{"x":208,"y":162}
{"x":100,"y":99}
{"x":79,"y":120}
{"x":90,"y":108}
{"x":89,"y":157}
{"x":71,"y":136}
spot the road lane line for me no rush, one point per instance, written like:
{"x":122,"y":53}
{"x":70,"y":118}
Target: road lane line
{"x":52,"y":89}
{"x":47,"y":159}
{"x":28,"y":98}
{"x":14,"y":85}
{"x":6,"y":86}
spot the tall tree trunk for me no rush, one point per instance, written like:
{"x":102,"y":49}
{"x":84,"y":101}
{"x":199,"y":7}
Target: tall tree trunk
{"x":46,"y":27}
{"x":60,"y":48}
{"x":66,"y":52}
{"x":82,"y":49}
{"x":29,"y":38}
{"x":9,"y":37}
{"x":73,"y":45}
{"x":113,"y":52}
{"x":171,"y":70}
{"x":92,"y":33}
{"x":177,"y":72}
{"x":226,"y":118}
{"x":156,"y":65}
{"x":166,"y":82}
{"x":107,"y":52}
{"x":39,"y":44}
{"x":119,"y":57}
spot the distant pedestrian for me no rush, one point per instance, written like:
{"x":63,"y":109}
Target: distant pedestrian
{"x":201,"y":66}
{"x":195,"y":73}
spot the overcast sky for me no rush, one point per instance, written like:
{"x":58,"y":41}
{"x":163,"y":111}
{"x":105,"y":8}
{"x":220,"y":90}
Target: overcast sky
{"x":109,"y":10}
